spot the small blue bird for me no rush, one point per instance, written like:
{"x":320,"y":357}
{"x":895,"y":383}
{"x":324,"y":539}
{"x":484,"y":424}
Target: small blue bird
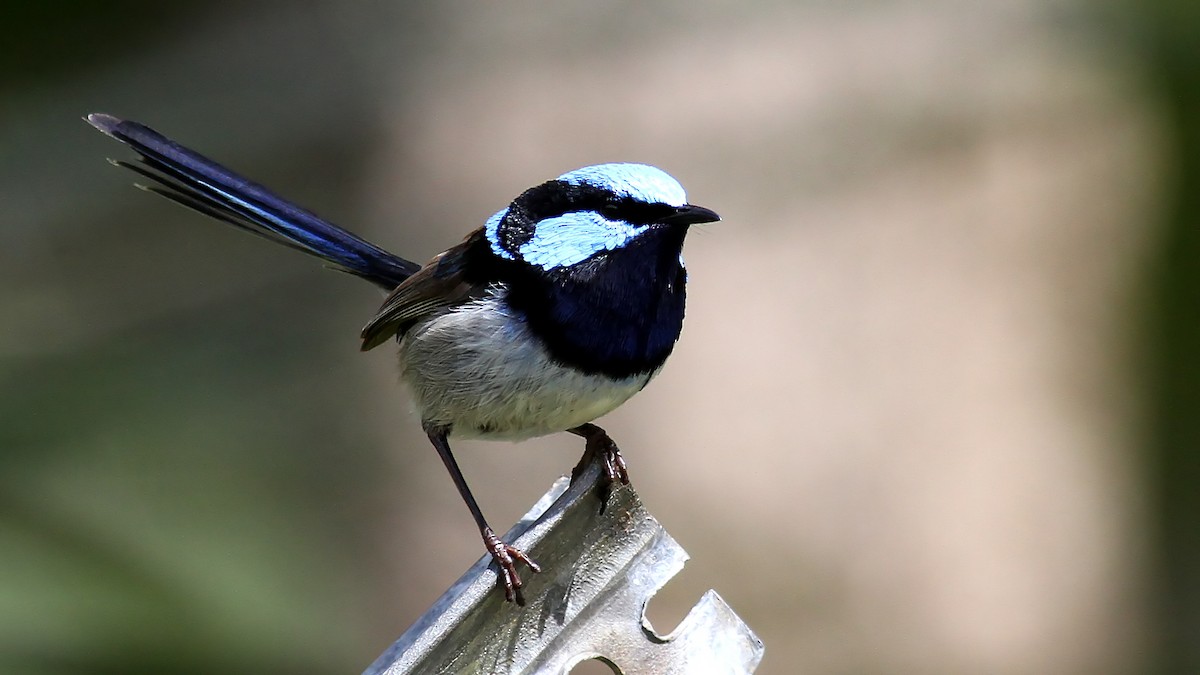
{"x":556,"y":311}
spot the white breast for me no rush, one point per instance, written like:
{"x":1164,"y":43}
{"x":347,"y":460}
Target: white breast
{"x":479,"y":370}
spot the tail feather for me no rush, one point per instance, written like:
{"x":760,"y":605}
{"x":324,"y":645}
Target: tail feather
{"x":190,"y":179}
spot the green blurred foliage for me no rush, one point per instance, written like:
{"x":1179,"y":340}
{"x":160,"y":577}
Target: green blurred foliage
{"x":44,"y":41}
{"x":160,"y":507}
{"x":1170,"y":42}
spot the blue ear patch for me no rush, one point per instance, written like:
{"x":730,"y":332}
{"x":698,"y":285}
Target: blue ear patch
{"x":559,"y":222}
{"x":492,"y":230}
{"x":574,"y":237}
{"x":642,"y":182}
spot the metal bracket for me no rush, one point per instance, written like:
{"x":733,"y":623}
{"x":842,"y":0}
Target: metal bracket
{"x":601,"y":567}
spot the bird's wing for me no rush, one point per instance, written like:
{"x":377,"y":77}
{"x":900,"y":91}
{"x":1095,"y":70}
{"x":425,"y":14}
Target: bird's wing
{"x":440,"y":283}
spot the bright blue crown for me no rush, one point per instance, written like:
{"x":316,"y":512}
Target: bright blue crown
{"x":642,"y":182}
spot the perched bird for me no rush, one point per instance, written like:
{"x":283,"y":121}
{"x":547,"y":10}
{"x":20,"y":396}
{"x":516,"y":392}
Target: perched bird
{"x":556,"y":311}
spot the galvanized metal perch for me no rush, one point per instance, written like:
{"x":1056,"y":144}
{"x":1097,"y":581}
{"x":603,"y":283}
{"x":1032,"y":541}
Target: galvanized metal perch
{"x":601,"y":567}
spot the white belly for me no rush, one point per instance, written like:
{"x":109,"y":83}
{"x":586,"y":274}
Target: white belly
{"x":478,"y":370}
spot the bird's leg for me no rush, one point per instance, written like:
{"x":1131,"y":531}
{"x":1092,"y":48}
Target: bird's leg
{"x":599,"y":443}
{"x":506,"y":556}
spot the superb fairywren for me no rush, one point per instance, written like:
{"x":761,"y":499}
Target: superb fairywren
{"x":556,"y":311}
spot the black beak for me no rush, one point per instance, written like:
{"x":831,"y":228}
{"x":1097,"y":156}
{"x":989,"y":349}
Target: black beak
{"x":690,"y":215}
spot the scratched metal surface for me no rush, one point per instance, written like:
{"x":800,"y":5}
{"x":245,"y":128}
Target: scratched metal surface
{"x":600,"y":570}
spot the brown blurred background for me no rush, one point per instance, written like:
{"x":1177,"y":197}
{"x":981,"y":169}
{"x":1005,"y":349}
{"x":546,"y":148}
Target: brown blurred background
{"x":934,"y":410}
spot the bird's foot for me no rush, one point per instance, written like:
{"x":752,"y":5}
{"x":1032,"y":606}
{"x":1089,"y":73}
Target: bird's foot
{"x":506,"y":558}
{"x":600,"y":446}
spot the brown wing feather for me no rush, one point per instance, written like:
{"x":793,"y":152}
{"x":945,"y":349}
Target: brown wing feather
{"x":437,"y":285}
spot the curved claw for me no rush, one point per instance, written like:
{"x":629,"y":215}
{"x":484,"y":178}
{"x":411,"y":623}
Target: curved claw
{"x":600,"y":444}
{"x":506,"y":558}
{"x":614,"y":463}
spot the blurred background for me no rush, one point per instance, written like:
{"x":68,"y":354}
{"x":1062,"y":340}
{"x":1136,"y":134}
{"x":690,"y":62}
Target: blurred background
{"x":935,"y":409}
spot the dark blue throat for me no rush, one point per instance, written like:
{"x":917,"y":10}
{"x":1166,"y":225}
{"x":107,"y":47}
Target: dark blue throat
{"x":617,"y":313}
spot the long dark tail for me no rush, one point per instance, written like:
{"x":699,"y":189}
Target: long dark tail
{"x":190,"y":179}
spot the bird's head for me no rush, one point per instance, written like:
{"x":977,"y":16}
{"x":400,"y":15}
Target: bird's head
{"x":589,"y":211}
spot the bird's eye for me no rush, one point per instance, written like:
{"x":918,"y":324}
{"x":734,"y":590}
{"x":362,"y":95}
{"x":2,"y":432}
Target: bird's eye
{"x":611,"y":209}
